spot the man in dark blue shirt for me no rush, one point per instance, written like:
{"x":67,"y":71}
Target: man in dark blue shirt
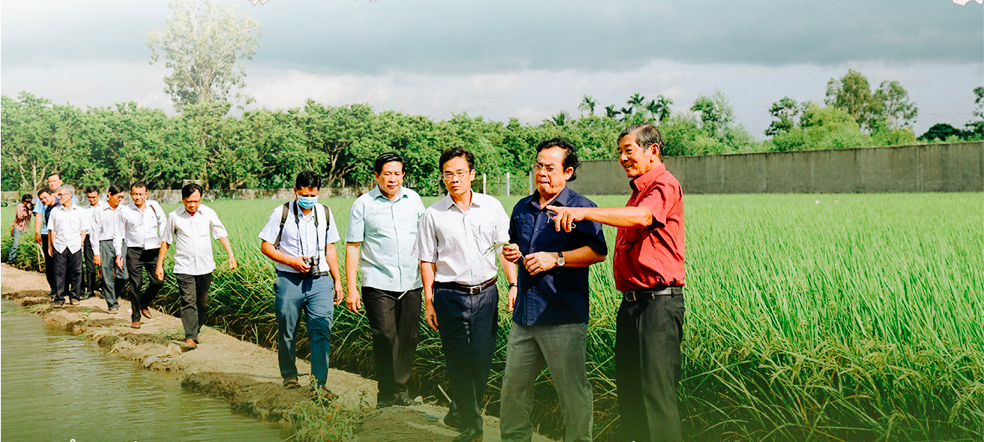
{"x":550,"y":312}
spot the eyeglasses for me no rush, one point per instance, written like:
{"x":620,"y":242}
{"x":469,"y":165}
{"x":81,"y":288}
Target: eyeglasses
{"x":550,"y":168}
{"x":448,"y":176}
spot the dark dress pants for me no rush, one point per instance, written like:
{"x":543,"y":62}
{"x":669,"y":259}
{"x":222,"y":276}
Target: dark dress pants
{"x":648,"y":334}
{"x":194,"y":302}
{"x":138,"y":259}
{"x":68,"y":274}
{"x":395,"y":325}
{"x":467,"y":325}
{"x":49,"y":264}
{"x":92,"y":280}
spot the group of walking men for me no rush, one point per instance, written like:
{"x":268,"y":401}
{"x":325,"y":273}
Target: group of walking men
{"x":447,"y":258}
{"x":119,"y":243}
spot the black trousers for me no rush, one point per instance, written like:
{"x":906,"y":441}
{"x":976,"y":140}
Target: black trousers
{"x":395,"y":325}
{"x":194,"y":302}
{"x":92,"y":280}
{"x":467,"y":325}
{"x":138,"y":259}
{"x":49,"y":264}
{"x":68,"y":274}
{"x":648,"y":334}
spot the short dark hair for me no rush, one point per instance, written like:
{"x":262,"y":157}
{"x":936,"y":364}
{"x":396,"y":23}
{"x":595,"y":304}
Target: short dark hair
{"x":54,"y":174}
{"x":190,"y":188}
{"x":91,"y":189}
{"x":140,"y":184}
{"x":646,"y":135}
{"x":46,"y":190}
{"x":456,"y":152}
{"x":27,"y":198}
{"x":570,"y":153}
{"x":308,"y":178}
{"x":114,"y":189}
{"x":388,"y":157}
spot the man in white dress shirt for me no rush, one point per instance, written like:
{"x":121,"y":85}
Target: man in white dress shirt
{"x":188,"y":228}
{"x":457,"y":243}
{"x":300,"y":237}
{"x":67,"y":228}
{"x":139,"y":223}
{"x":90,"y":277}
{"x":101,"y":233}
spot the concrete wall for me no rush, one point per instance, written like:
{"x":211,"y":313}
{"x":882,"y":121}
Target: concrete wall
{"x":952,"y":167}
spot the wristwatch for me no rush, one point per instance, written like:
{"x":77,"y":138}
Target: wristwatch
{"x":560,"y":259}
{"x":513,"y":284}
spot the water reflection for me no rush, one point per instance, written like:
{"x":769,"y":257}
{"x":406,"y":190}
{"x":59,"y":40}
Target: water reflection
{"x":55,"y":388}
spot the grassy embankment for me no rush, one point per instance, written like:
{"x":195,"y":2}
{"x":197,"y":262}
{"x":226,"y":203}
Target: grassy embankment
{"x":855,"y":318}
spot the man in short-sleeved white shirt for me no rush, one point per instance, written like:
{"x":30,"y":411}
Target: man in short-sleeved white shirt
{"x":187,"y":228}
{"x":458,"y":240}
{"x":67,"y":227}
{"x":300,"y":238}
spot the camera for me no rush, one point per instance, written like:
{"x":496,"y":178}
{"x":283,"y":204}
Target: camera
{"x":312,"y":262}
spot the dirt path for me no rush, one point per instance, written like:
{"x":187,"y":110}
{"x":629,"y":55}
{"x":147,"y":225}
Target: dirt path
{"x":245,"y":374}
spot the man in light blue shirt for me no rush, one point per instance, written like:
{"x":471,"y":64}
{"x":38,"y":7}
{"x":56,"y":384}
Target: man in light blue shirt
{"x":383,"y":224}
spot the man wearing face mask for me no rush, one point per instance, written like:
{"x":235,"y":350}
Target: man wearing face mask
{"x":300,"y":238}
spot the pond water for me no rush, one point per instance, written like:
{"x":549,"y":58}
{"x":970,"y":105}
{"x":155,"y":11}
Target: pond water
{"x":59,"y":388}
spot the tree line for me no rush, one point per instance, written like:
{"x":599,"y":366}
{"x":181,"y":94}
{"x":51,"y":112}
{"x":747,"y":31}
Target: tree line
{"x":266,"y":148}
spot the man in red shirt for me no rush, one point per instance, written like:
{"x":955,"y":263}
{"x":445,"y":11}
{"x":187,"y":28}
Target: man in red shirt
{"x":649,"y":271}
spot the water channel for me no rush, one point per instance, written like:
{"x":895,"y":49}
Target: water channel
{"x":59,"y":388}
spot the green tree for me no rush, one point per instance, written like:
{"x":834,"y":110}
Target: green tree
{"x":588,"y":104}
{"x":784,"y":112}
{"x":637,"y":102}
{"x":610,"y":112}
{"x":896,"y":110}
{"x":662,"y":108}
{"x":557,"y":120}
{"x":202,"y":43}
{"x":715,"y":113}
{"x":853,"y":94}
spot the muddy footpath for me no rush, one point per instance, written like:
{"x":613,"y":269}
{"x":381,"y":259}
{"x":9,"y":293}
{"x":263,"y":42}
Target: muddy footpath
{"x":244,"y":374}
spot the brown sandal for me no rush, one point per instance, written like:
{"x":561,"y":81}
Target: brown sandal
{"x":291,"y":383}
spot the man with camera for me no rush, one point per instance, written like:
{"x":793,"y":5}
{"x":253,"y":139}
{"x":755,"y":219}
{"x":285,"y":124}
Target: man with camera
{"x":24,"y":213}
{"x":300,"y":238}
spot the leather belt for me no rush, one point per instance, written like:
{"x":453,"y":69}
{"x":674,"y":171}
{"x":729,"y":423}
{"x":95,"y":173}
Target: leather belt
{"x":637,"y":295}
{"x":468,"y":289}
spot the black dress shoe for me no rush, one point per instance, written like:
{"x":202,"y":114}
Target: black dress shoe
{"x":452,"y":421}
{"x":470,"y":435}
{"x":383,"y":404}
{"x":405,"y":402}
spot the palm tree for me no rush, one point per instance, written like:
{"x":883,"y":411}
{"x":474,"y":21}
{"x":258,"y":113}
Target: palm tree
{"x":557,"y":120}
{"x":588,"y":104}
{"x":637,"y":102}
{"x":610,"y":112}
{"x":663,"y":105}
{"x":626,"y":113}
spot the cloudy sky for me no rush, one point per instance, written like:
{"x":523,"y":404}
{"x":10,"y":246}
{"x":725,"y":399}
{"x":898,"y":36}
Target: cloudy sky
{"x":524,"y":59}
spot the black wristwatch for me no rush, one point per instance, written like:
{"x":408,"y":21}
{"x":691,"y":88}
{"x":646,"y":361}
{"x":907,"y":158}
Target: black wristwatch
{"x":513,"y":284}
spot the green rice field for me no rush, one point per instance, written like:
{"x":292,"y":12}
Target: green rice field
{"x":854,"y":317}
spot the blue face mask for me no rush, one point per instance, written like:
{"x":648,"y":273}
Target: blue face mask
{"x":306,"y":202}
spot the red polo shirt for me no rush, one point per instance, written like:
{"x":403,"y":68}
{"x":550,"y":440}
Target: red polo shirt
{"x":652,"y":256}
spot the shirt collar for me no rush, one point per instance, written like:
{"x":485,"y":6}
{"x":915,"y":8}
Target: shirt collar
{"x":647,"y":179}
{"x":377,"y":193}
{"x":563,"y":199}
{"x":446,"y":202}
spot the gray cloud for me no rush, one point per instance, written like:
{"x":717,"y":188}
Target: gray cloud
{"x":465,"y":37}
